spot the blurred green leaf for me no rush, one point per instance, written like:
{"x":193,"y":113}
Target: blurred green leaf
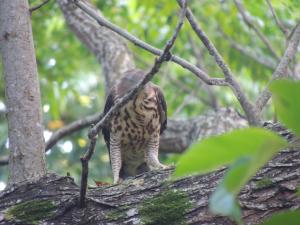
{"x":288,"y":218}
{"x":222,"y":150}
{"x":247,"y":149}
{"x":286,"y":95}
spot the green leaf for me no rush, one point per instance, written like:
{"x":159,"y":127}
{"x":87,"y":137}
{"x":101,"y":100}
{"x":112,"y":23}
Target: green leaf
{"x":214,"y":152}
{"x":286,"y":95}
{"x":288,"y":217}
{"x":238,"y":175}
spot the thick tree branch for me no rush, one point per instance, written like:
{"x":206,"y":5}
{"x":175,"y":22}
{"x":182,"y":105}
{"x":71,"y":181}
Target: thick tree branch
{"x":273,"y":189}
{"x":261,"y":36}
{"x":191,"y":130}
{"x":282,"y":67}
{"x":247,"y":106}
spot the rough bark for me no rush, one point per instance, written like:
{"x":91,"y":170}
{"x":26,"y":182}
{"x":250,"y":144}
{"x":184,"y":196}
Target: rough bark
{"x":271,"y":190}
{"x":26,"y":142}
{"x":180,"y":134}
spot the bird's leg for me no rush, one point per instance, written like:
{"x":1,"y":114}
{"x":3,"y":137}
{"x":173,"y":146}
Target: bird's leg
{"x":115,"y":157}
{"x":151,"y":154}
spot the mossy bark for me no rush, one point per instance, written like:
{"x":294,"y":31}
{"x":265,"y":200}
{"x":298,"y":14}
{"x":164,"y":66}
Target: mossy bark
{"x":152,"y":198}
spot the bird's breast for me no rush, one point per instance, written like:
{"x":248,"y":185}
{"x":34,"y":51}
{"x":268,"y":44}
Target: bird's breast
{"x":135,"y":123}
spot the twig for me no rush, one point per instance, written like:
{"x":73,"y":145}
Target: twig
{"x":278,"y":22}
{"x":70,"y":128}
{"x":281,"y":69}
{"x":213,"y":101}
{"x":185,"y":64}
{"x":3,"y":162}
{"x":165,"y":56}
{"x":247,"y":106}
{"x":38,"y":6}
{"x":263,"y":60}
{"x":85,"y":170}
{"x":261,"y":36}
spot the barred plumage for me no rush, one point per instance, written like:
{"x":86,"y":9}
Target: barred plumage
{"x":132,"y":136}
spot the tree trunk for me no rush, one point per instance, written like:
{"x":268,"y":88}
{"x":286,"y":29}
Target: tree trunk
{"x":26,"y":142}
{"x":152,"y":199}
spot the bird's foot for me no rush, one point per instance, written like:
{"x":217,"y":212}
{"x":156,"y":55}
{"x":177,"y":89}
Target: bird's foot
{"x":159,"y":166}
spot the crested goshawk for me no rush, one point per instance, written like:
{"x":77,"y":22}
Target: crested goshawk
{"x":132,"y":136}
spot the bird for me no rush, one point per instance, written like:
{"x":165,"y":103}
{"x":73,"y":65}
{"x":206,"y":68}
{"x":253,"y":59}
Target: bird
{"x":132,"y":135}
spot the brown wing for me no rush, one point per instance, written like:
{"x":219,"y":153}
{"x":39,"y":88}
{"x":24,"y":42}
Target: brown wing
{"x":162,"y":108}
{"x":122,"y":86}
{"x":105,"y":130}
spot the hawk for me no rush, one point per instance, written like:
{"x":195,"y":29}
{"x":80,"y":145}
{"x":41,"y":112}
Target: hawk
{"x":132,"y":136}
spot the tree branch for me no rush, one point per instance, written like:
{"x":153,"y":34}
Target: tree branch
{"x":38,"y":6}
{"x":71,"y":128}
{"x":273,"y":189}
{"x":261,"y":36}
{"x":194,"y":69}
{"x":165,"y":56}
{"x":4,"y":162}
{"x":282,"y":67}
{"x":229,"y":77}
{"x":247,"y":51}
{"x":278,"y":22}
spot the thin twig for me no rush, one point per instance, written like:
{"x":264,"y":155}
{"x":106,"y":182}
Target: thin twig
{"x":277,"y":21}
{"x":85,"y":170}
{"x":247,"y":106}
{"x":3,"y":162}
{"x":261,"y":36}
{"x":182,"y":62}
{"x":38,"y":6}
{"x":213,"y":101}
{"x":165,"y":56}
{"x":247,"y":51}
{"x":281,"y":69}
{"x":70,"y":128}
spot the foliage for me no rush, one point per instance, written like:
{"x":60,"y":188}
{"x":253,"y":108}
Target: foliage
{"x":290,"y":218}
{"x":284,"y":94}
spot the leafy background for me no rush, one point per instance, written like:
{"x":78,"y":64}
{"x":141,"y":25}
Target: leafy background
{"x":72,"y":84}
